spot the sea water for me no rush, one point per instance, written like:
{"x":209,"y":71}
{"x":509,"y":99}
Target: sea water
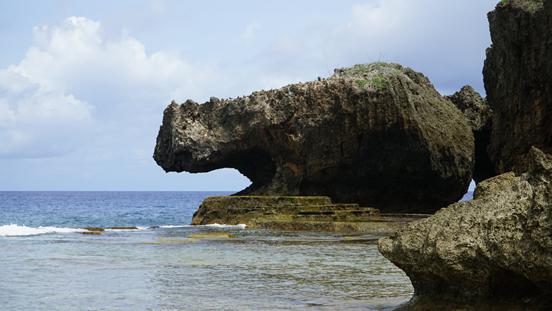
{"x":47,"y":263}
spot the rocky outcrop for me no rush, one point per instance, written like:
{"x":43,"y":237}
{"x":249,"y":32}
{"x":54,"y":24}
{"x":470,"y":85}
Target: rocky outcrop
{"x":517,"y":74}
{"x":235,"y":210}
{"x":293,"y":213}
{"x":379,"y":135}
{"x":479,"y":116}
{"x":497,"y":247}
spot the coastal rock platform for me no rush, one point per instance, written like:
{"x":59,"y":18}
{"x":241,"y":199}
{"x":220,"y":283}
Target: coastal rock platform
{"x":297,"y":213}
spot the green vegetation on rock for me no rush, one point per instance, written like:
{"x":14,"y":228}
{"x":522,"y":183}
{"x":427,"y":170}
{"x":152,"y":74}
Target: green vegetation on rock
{"x":528,"y":5}
{"x":361,"y":83}
{"x":379,"y":82}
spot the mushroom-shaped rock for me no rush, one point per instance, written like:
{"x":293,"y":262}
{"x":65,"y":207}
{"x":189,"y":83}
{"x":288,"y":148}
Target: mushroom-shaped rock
{"x":379,"y":135}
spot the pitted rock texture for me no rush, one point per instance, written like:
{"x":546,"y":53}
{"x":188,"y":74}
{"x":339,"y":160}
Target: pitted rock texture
{"x":473,"y":106}
{"x":379,"y":135}
{"x":479,"y":116}
{"x":496,"y":247}
{"x":517,"y":74}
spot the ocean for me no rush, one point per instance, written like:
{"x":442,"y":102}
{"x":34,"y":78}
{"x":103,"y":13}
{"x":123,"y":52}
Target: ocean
{"x":47,"y":263}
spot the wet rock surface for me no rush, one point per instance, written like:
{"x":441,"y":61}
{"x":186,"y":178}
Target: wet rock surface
{"x":495,"y":248}
{"x":517,"y":75}
{"x":379,"y":135}
{"x":479,"y":116}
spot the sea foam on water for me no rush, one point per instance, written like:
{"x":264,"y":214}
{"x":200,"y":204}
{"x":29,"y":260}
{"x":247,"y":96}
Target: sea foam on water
{"x":17,"y":230}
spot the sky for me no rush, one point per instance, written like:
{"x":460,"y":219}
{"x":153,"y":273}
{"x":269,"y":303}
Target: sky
{"x":83,"y":84}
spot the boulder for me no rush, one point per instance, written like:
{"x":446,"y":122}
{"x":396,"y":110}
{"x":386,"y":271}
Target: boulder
{"x":479,"y":116}
{"x":495,"y":248}
{"x":379,"y":135}
{"x":518,"y":75}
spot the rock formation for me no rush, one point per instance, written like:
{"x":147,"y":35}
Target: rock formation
{"x":479,"y":117}
{"x":496,"y":247}
{"x":518,"y":75}
{"x":292,"y":213}
{"x":379,"y":135}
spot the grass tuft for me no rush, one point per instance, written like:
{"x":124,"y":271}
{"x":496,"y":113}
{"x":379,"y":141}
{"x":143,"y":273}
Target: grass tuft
{"x":379,"y":82}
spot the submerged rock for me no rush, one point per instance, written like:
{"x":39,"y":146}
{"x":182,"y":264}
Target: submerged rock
{"x":91,"y":232}
{"x":497,"y":247}
{"x":479,"y":116}
{"x":94,"y":229}
{"x":518,"y":75}
{"x":212,"y":235}
{"x":379,"y":135}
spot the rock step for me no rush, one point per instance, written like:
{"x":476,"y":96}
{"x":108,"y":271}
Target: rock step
{"x":354,"y":215}
{"x":305,"y":208}
{"x":383,"y":228}
{"x":272,"y":201}
{"x":349,"y":217}
{"x":349,"y":211}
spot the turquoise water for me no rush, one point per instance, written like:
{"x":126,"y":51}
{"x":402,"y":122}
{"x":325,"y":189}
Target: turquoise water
{"x":47,"y":264}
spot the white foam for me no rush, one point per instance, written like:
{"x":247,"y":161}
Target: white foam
{"x":223,"y":226}
{"x":175,"y":226}
{"x":16,"y":230}
{"x":138,"y":228}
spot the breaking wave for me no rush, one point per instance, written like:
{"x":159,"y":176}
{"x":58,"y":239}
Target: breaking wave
{"x":17,"y":230}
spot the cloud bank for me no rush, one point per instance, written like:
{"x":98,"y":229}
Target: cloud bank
{"x":72,"y":81}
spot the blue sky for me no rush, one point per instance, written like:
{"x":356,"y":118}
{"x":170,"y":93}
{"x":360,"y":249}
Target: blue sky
{"x":83,"y":84}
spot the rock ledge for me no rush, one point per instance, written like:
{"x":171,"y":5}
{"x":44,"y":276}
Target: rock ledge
{"x":295,"y":213}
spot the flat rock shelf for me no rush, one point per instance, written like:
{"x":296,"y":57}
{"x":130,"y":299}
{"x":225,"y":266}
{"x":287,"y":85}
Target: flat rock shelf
{"x":298,"y":213}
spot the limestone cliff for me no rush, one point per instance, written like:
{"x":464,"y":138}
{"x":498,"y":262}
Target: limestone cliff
{"x":518,"y":75}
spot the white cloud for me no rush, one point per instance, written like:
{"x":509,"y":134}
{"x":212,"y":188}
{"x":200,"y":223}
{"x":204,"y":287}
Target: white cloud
{"x":36,"y":120}
{"x":73,"y":78}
